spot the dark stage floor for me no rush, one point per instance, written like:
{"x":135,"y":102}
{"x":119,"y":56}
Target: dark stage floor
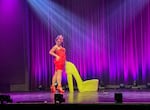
{"x":102,"y":100}
{"x":100,"y":97}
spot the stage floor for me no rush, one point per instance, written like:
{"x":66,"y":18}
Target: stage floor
{"x":100,"y":97}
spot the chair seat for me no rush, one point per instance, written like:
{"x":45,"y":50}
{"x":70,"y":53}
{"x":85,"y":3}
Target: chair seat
{"x":83,"y":86}
{"x":89,"y":85}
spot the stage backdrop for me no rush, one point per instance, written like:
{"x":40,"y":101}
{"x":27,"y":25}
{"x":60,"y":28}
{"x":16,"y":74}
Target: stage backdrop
{"x":105,"y":39}
{"x":13,"y":62}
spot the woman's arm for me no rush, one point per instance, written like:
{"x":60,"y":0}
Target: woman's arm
{"x":52,"y":51}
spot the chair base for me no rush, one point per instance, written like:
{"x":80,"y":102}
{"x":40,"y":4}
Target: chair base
{"x":89,"y":86}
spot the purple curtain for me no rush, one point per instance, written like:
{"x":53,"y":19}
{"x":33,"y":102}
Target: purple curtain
{"x":107,"y":40}
{"x":13,"y":63}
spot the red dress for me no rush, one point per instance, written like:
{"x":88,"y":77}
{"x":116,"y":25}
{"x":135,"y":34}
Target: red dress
{"x":60,"y":63}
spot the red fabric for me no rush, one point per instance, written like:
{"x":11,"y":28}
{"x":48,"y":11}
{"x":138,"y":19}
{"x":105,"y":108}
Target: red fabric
{"x":59,"y":64}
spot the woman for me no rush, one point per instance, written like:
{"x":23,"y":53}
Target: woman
{"x":58,"y":51}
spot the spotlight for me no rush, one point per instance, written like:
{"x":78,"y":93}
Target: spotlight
{"x":56,"y":84}
{"x":148,"y":85}
{"x":102,"y":86}
{"x":122,"y":86}
{"x":134,"y":83}
{"x":101,"y":83}
{"x":59,"y":98}
{"x":5,"y":98}
{"x":40,"y":87}
{"x":118,"y":97}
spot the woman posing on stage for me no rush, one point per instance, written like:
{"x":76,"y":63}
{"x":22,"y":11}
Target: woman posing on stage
{"x":58,"y":51}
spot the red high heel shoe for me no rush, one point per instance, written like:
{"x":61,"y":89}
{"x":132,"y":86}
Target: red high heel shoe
{"x":59,"y":88}
{"x":53,"y":89}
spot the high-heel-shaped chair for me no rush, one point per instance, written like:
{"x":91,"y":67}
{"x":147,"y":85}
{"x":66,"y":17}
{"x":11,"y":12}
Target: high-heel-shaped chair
{"x":83,"y":86}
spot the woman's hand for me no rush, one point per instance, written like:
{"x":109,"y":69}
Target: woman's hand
{"x":57,"y":58}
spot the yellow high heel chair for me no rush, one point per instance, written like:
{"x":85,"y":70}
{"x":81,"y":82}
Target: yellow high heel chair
{"x":83,"y":86}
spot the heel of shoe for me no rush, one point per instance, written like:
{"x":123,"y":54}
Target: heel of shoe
{"x":53,"y":89}
{"x":59,"y":88}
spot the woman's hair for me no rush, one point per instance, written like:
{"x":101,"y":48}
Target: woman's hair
{"x":59,"y":37}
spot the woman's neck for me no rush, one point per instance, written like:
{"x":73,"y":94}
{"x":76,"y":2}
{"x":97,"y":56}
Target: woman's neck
{"x":59,"y":45}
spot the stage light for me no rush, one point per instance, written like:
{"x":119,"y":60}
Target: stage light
{"x":148,"y":85}
{"x":134,"y":83}
{"x":101,"y":83}
{"x":59,"y":98}
{"x":118,"y":97}
{"x":56,"y":84}
{"x":102,"y":86}
{"x":122,"y":86}
{"x":5,"y":99}
{"x":41,"y":87}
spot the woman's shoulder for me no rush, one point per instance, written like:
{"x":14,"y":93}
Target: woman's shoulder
{"x":63,"y":47}
{"x":55,"y":46}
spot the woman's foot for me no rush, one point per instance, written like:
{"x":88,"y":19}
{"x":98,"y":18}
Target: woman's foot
{"x":59,"y":88}
{"x":53,"y":89}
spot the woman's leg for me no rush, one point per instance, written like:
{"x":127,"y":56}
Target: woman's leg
{"x":59,"y":79}
{"x":54,"y":78}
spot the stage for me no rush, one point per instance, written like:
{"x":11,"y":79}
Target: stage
{"x":100,"y":97}
{"x":103,"y":100}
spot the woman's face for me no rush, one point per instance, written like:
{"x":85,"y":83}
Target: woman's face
{"x":59,"y":40}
